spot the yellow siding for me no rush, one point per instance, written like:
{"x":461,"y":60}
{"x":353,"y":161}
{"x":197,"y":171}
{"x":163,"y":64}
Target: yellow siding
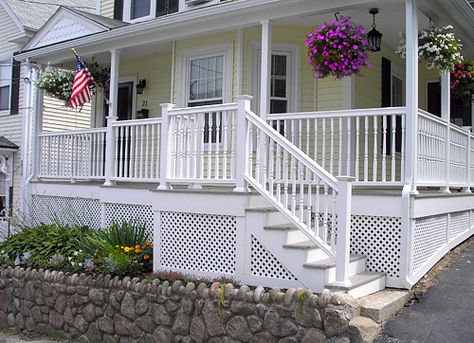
{"x":57,"y":117}
{"x":107,"y":8}
{"x":157,"y":72}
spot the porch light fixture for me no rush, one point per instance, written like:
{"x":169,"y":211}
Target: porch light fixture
{"x":140,"y":86}
{"x":374,"y":37}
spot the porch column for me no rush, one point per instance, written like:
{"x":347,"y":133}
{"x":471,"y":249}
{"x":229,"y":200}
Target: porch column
{"x":445,"y":114}
{"x":411,"y":94}
{"x":112,"y":117}
{"x":348,"y":146}
{"x":266,"y":65}
{"x":37,"y":128}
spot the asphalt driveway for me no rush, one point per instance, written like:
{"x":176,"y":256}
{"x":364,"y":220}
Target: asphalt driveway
{"x":444,"y":314}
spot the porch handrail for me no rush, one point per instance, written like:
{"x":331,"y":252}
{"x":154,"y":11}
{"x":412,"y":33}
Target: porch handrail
{"x":301,"y":190}
{"x":72,"y":132}
{"x":136,"y":122}
{"x":203,"y":109}
{"x":369,"y":112}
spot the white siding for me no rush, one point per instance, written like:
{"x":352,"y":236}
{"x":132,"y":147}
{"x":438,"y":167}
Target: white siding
{"x":107,"y":8}
{"x":8,"y":29}
{"x":57,"y":117}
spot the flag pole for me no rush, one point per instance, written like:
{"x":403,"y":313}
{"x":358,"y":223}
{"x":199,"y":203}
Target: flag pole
{"x":94,"y":81}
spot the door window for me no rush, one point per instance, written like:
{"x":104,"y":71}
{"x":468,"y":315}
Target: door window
{"x":279,"y":86}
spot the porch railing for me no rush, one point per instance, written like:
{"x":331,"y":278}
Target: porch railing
{"x":445,"y":153}
{"x":72,"y":154}
{"x":368,"y":144}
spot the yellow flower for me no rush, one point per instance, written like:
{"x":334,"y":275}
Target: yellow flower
{"x":126,"y":249}
{"x":137,"y":250}
{"x":146,"y":257}
{"x":117,"y":246}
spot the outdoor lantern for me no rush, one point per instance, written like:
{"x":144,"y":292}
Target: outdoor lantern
{"x":374,"y":37}
{"x":140,"y":86}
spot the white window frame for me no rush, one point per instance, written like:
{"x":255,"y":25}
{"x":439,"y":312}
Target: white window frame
{"x":293,"y":53}
{"x":203,"y":52}
{"x":127,"y":12}
{"x":7,"y":82}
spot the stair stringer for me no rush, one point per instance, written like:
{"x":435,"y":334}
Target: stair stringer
{"x":291,"y":259}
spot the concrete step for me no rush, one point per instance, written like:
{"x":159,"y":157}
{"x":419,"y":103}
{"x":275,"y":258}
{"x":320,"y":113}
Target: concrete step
{"x":383,"y":305}
{"x":362,"y":284}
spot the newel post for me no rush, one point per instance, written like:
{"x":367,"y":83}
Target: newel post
{"x":343,"y":245}
{"x":164,"y":151}
{"x":445,"y":114}
{"x":243,"y":106}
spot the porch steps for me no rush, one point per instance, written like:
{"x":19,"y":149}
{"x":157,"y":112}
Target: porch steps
{"x":383,"y":305}
{"x":309,"y":263}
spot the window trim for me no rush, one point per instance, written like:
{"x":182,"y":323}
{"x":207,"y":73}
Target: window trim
{"x":8,"y":83}
{"x":189,"y":54}
{"x":293,"y":51}
{"x":127,"y":12}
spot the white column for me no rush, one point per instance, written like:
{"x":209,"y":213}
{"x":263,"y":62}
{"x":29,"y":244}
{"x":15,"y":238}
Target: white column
{"x":241,"y":153}
{"x":112,"y":117}
{"x":240,"y":59}
{"x":37,"y":128}
{"x":343,"y":246}
{"x":445,"y":114}
{"x":266,"y":65}
{"x":164,"y":148}
{"x":411,"y":93}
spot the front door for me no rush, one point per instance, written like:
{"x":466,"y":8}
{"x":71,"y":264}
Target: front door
{"x":125,"y":101}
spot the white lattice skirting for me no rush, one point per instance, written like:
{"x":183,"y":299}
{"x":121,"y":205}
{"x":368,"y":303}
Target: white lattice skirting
{"x":434,"y":236}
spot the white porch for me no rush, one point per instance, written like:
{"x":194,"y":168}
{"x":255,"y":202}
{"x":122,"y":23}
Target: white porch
{"x":345,"y":198}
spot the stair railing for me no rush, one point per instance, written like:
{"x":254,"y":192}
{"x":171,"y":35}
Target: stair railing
{"x":312,"y":199}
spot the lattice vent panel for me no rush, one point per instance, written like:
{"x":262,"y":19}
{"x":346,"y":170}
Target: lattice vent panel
{"x":198,"y":242}
{"x":378,"y":238}
{"x":139,"y":214}
{"x":65,"y":210}
{"x":458,"y":223}
{"x":264,"y":264}
{"x":429,"y":237}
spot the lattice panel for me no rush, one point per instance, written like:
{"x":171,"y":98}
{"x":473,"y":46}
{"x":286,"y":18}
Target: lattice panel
{"x":65,"y":210}
{"x":458,"y":223}
{"x":198,"y":242}
{"x":264,"y":264}
{"x":378,"y":238}
{"x":139,"y":214}
{"x":429,"y":237}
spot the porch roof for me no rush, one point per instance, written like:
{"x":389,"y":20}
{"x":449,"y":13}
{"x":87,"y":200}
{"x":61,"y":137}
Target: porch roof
{"x":7,"y":144}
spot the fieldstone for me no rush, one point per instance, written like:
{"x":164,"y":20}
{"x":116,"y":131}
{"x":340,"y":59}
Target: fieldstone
{"x":227,"y":339}
{"x":146,"y":323}
{"x":262,"y":337}
{"x":106,"y":325}
{"x":89,"y":312}
{"x":214,"y":324}
{"x":141,"y":306}
{"x":162,"y":335}
{"x":36,"y":314}
{"x":314,"y":336}
{"x":181,"y":323}
{"x":339,"y":339}
{"x":114,"y":302}
{"x":171,"y":307}
{"x":279,"y":327}
{"x":122,"y":325}
{"x":241,"y":307}
{"x":215,"y":340}
{"x":30,"y":324}
{"x":93,"y":333}
{"x":30,"y":291}
{"x":160,"y":316}
{"x":255,"y":323}
{"x":308,"y":316}
{"x":187,"y":305}
{"x":128,"y":307}
{"x":20,"y":321}
{"x":97,"y":296}
{"x":335,"y":320}
{"x":82,"y":290}
{"x":56,"y":319}
{"x":79,"y":299}
{"x":99,"y":311}
{"x":288,"y":340}
{"x":237,"y":328}
{"x":111,"y":339}
{"x":68,"y":316}
{"x":363,"y":330}
{"x":60,"y":288}
{"x":81,"y":324}
{"x":197,"y":330}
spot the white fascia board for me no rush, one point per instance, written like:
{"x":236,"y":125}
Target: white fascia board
{"x":226,"y":16}
{"x":63,"y":13}
{"x":12,"y":15}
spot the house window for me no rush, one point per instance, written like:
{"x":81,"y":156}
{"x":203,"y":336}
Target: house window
{"x":5,"y":80}
{"x":164,"y":7}
{"x":206,"y":88}
{"x":139,"y":8}
{"x":279,"y":84}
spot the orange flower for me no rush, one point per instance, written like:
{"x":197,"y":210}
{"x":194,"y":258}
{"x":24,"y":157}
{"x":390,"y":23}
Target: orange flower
{"x":146,"y":257}
{"x":137,"y":250}
{"x":137,"y":246}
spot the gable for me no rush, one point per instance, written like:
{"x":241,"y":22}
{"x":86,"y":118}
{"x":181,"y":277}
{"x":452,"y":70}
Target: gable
{"x":64,"y":25}
{"x":8,"y":31}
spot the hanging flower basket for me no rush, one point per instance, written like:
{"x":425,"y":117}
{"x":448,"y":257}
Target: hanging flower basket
{"x":337,"y":49}
{"x":438,"y":48}
{"x":462,"y":80}
{"x":58,"y":83}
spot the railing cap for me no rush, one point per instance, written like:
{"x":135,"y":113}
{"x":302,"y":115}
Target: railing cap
{"x":244,"y":97}
{"x":345,"y":178}
{"x":167,"y":104}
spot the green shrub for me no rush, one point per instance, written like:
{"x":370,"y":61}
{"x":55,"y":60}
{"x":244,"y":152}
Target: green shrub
{"x":43,"y":246}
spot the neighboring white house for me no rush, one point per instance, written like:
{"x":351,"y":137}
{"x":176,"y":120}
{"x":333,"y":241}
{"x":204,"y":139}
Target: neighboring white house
{"x":180,"y":145}
{"x":19,"y":21}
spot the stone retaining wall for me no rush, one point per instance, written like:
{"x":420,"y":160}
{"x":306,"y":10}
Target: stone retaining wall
{"x":109,"y":309}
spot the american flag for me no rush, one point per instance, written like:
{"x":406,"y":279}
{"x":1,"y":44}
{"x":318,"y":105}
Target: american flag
{"x":81,"y":92}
